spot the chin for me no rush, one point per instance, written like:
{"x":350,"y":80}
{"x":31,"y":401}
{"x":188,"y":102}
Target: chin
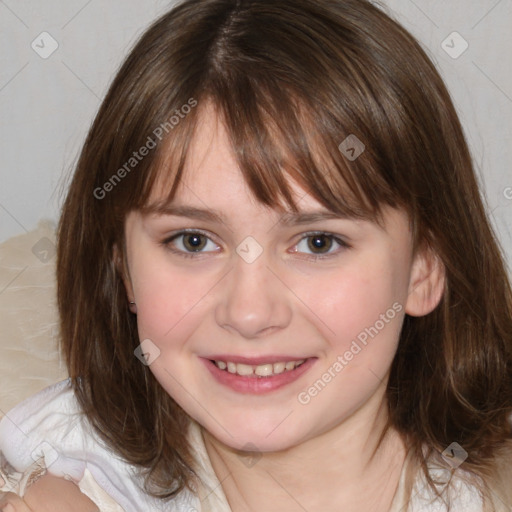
{"x":262,"y":437}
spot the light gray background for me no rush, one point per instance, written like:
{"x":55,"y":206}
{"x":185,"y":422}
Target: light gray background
{"x":47,"y":104}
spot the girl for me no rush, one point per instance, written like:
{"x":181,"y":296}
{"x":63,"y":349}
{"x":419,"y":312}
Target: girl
{"x":277,"y":284}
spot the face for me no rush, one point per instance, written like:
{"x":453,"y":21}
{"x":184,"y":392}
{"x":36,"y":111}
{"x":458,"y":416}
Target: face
{"x":271,"y":329}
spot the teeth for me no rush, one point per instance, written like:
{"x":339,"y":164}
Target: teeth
{"x":264,"y":370}
{"x":279,"y":367}
{"x":244,"y":369}
{"x":261,"y":370}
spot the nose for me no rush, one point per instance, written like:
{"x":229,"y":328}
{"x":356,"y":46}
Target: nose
{"x":253,"y":302}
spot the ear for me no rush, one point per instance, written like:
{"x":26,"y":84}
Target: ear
{"x":120,"y":263}
{"x":426,"y":284}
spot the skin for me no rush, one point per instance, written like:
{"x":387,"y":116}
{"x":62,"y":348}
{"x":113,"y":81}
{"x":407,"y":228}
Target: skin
{"x":48,"y":494}
{"x":315,"y":455}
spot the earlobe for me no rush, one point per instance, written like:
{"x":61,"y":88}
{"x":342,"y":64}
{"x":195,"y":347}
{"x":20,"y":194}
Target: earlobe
{"x":426,"y":285}
{"x":120,"y":265}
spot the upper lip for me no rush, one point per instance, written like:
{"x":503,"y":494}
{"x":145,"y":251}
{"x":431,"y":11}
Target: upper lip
{"x":255,"y":361}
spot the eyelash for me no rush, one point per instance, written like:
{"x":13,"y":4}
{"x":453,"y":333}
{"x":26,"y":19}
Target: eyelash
{"x":167,"y":243}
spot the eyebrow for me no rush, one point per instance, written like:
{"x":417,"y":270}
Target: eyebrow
{"x":207,"y":215}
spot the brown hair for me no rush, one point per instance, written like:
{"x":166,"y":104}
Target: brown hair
{"x":291,"y":79}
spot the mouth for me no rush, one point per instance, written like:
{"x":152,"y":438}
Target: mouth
{"x":258,"y":375}
{"x":258,"y":371}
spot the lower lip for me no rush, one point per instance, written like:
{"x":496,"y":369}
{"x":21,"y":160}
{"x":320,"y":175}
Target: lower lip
{"x":257,"y":385}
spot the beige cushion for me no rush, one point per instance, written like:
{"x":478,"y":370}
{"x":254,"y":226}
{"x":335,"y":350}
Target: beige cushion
{"x":29,"y":357}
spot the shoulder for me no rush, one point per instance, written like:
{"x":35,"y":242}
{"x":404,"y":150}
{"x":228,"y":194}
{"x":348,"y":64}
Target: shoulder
{"x":30,"y":443}
{"x":501,"y":477}
{"x":29,"y":431}
{"x":458,"y":492}
{"x":464,"y":490}
{"x":49,"y":434}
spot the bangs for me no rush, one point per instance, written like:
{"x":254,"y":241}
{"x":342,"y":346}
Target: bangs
{"x":334,"y":119}
{"x":275,"y":137}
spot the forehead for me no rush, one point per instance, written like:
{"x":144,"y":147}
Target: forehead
{"x":213,"y":187}
{"x":212,"y":171}
{"x":223,"y":157}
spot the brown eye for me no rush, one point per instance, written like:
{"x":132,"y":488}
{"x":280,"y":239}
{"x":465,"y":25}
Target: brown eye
{"x":190,"y":244}
{"x":320,"y":244}
{"x":194,"y":242}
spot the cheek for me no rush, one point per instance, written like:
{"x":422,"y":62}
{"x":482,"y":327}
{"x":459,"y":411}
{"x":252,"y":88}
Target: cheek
{"x":361,"y":312}
{"x":356,"y":298}
{"x":167,"y":301}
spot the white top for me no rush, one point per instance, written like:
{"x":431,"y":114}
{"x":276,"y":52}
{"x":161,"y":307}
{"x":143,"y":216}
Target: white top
{"x":49,"y":431}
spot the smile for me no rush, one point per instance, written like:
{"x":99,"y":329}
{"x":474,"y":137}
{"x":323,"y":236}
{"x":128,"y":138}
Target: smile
{"x":269,"y":374}
{"x":261,"y":370}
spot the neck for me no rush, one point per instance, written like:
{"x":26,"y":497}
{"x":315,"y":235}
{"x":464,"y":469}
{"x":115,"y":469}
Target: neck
{"x":356,"y":463}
